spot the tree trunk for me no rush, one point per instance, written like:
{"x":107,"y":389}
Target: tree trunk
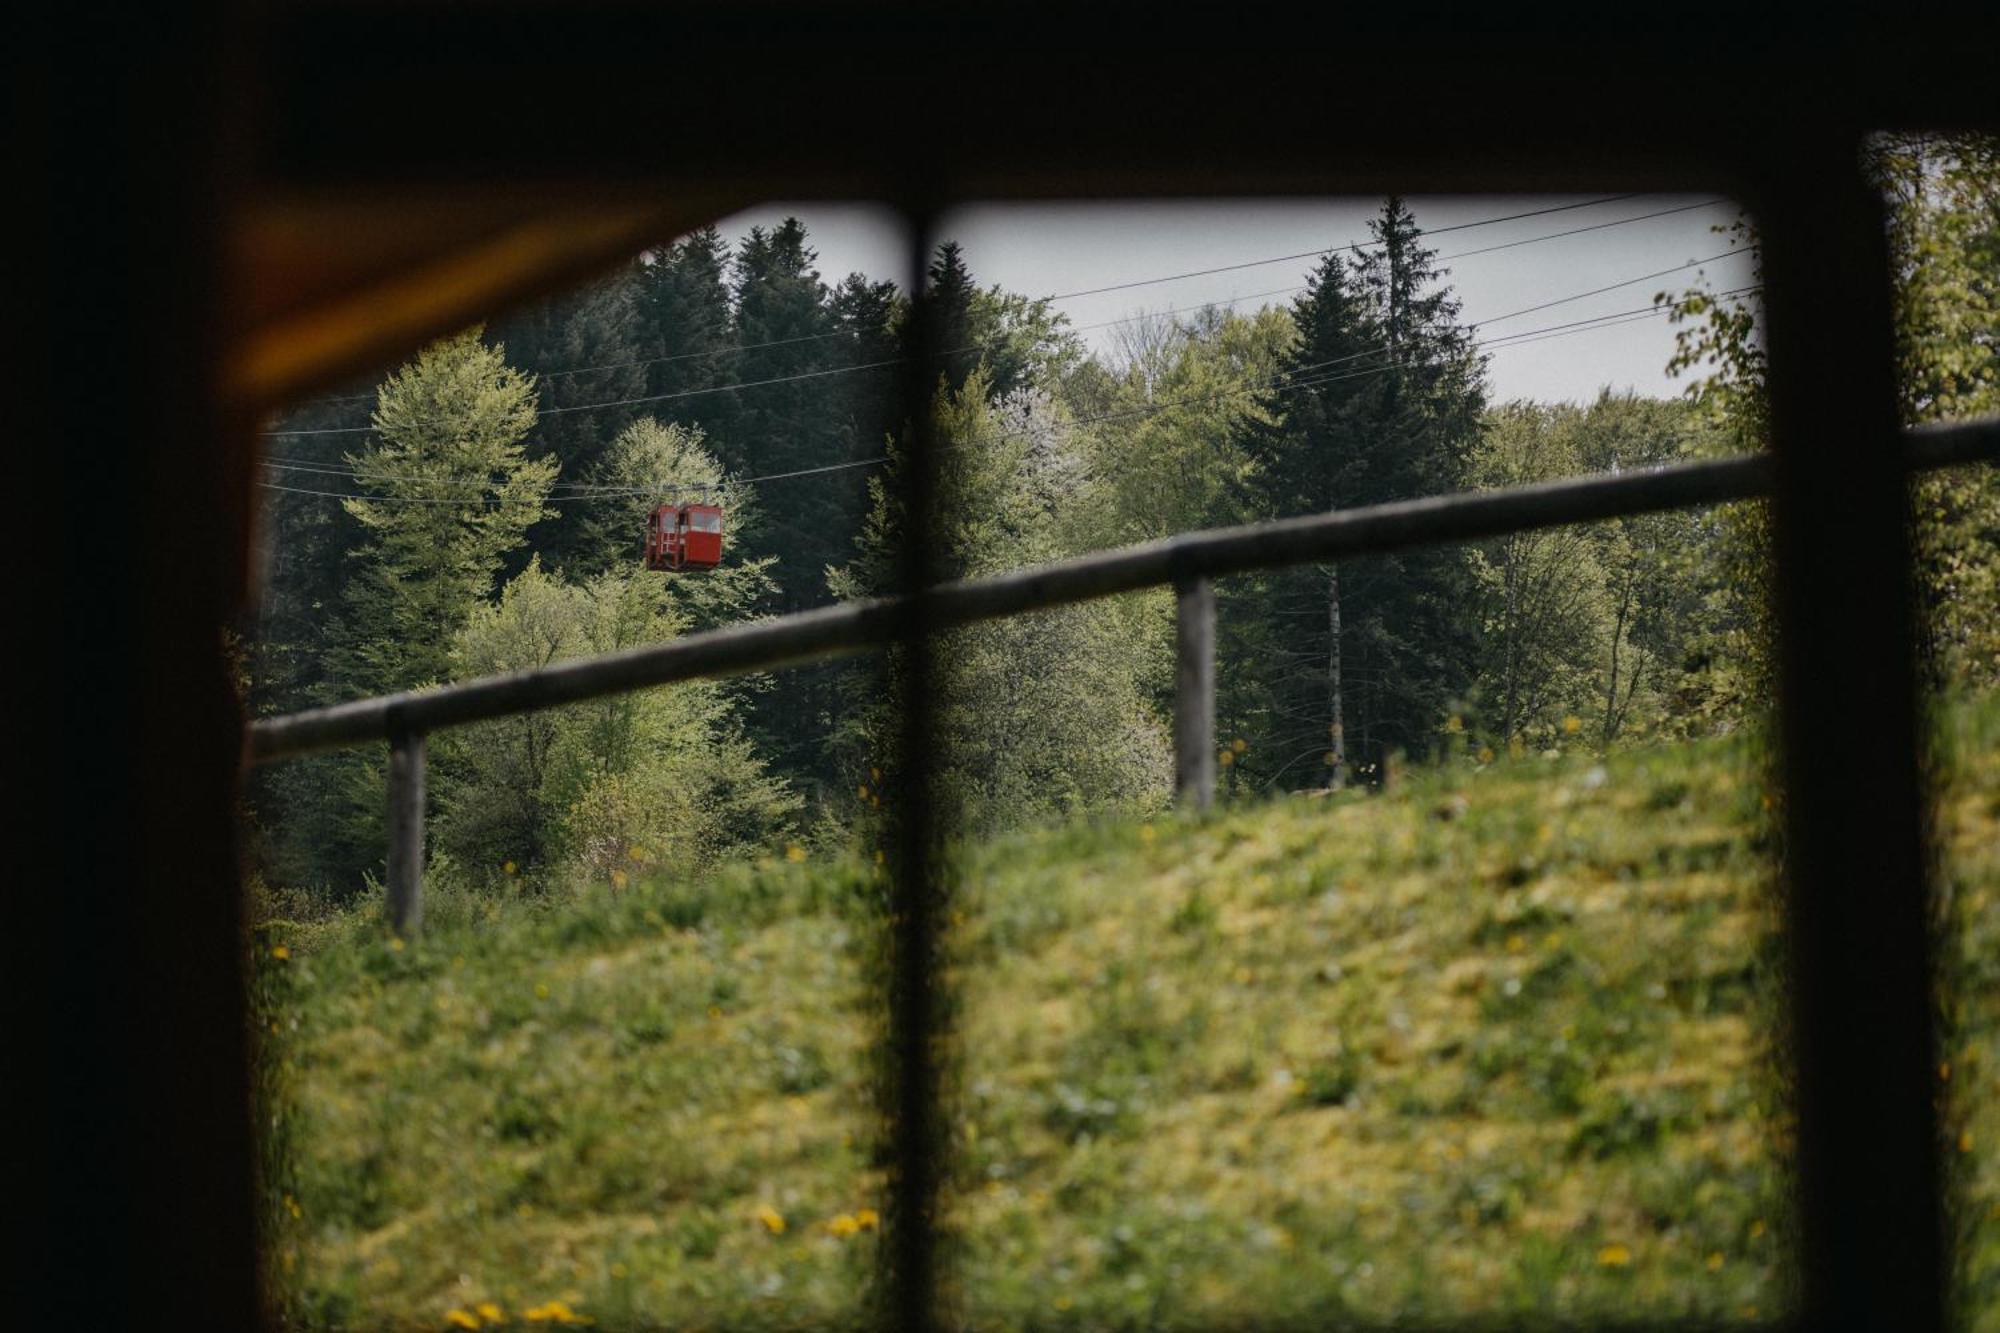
{"x":1611,"y":711}
{"x":1511,"y":639}
{"x":1336,"y":730}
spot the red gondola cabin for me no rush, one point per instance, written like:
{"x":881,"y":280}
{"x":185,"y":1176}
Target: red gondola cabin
{"x":684,"y":536}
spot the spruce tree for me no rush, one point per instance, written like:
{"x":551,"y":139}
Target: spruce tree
{"x":949,"y":292}
{"x":781,"y":420}
{"x":1411,"y":642}
{"x":806,"y":405}
{"x":685,"y":323}
{"x":588,"y":347}
{"x":1380,"y":399}
{"x":687,"y":326}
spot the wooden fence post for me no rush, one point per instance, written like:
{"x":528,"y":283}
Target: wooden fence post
{"x":406,"y":832}
{"x":1194,"y":693}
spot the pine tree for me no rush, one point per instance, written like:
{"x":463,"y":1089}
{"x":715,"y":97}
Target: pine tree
{"x":781,"y":420}
{"x":1314,"y":453}
{"x":586,"y":348}
{"x":685,"y":324}
{"x":1015,"y":342}
{"x":867,"y":319}
{"x":1380,"y":399}
{"x":1413,"y":643}
{"x":949,"y":292}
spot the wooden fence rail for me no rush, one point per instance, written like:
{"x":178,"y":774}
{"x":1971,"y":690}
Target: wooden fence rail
{"x":1189,"y":562}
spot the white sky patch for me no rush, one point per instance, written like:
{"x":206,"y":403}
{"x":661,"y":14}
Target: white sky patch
{"x":1046,"y":248}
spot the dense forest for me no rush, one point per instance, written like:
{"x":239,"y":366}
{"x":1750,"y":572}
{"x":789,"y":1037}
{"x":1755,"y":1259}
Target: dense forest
{"x":480,"y":510}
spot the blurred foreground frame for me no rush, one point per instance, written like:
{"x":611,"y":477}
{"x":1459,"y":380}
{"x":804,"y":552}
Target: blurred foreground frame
{"x":226,"y":208}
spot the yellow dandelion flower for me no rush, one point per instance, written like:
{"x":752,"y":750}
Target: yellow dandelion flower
{"x":280,"y":952}
{"x":1756,"y":1229}
{"x":1227,"y":758}
{"x":1454,"y":724}
{"x":1572,"y":724}
{"x":553,"y":1312}
{"x":771,"y":1219}
{"x":875,"y":775}
{"x":292,"y":1207}
{"x":843,"y":1226}
{"x":794,"y":852}
{"x":1614,"y":1256}
{"x":869,"y":1219}
{"x":1516,"y":942}
{"x":1485,"y":754}
{"x":541,"y":990}
{"x":879,"y":858}
{"x":507,"y":868}
{"x":1239,"y":745}
{"x":1715,"y":1262}
{"x":461,"y":1319}
{"x":1062,"y":1302}
{"x":396,"y":944}
{"x":490,"y":1312}
{"x":617,"y":879}
{"x":1965,"y":1141}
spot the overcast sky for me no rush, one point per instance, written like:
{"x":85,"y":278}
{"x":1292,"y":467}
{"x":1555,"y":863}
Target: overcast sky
{"x":1072,"y":247}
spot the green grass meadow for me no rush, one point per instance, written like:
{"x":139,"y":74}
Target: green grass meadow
{"x":1503,"y":1043}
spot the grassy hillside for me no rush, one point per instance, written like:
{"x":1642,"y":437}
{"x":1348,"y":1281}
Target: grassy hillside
{"x":1501,"y":1041}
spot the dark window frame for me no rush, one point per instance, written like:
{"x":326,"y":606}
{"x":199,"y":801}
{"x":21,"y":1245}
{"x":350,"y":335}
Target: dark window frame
{"x":140,"y":142}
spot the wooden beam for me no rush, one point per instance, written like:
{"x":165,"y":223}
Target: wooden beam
{"x":858,"y":626}
{"x":399,"y":296}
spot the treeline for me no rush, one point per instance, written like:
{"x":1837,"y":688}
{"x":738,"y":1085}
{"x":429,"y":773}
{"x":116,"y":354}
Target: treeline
{"x":496,"y":489}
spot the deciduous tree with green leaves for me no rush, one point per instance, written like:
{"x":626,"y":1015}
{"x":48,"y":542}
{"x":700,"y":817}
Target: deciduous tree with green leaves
{"x":1944,"y":240}
{"x":1039,"y":715}
{"x":452,"y":493}
{"x":594,"y":791}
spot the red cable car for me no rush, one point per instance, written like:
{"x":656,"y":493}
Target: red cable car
{"x":684,"y":536}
